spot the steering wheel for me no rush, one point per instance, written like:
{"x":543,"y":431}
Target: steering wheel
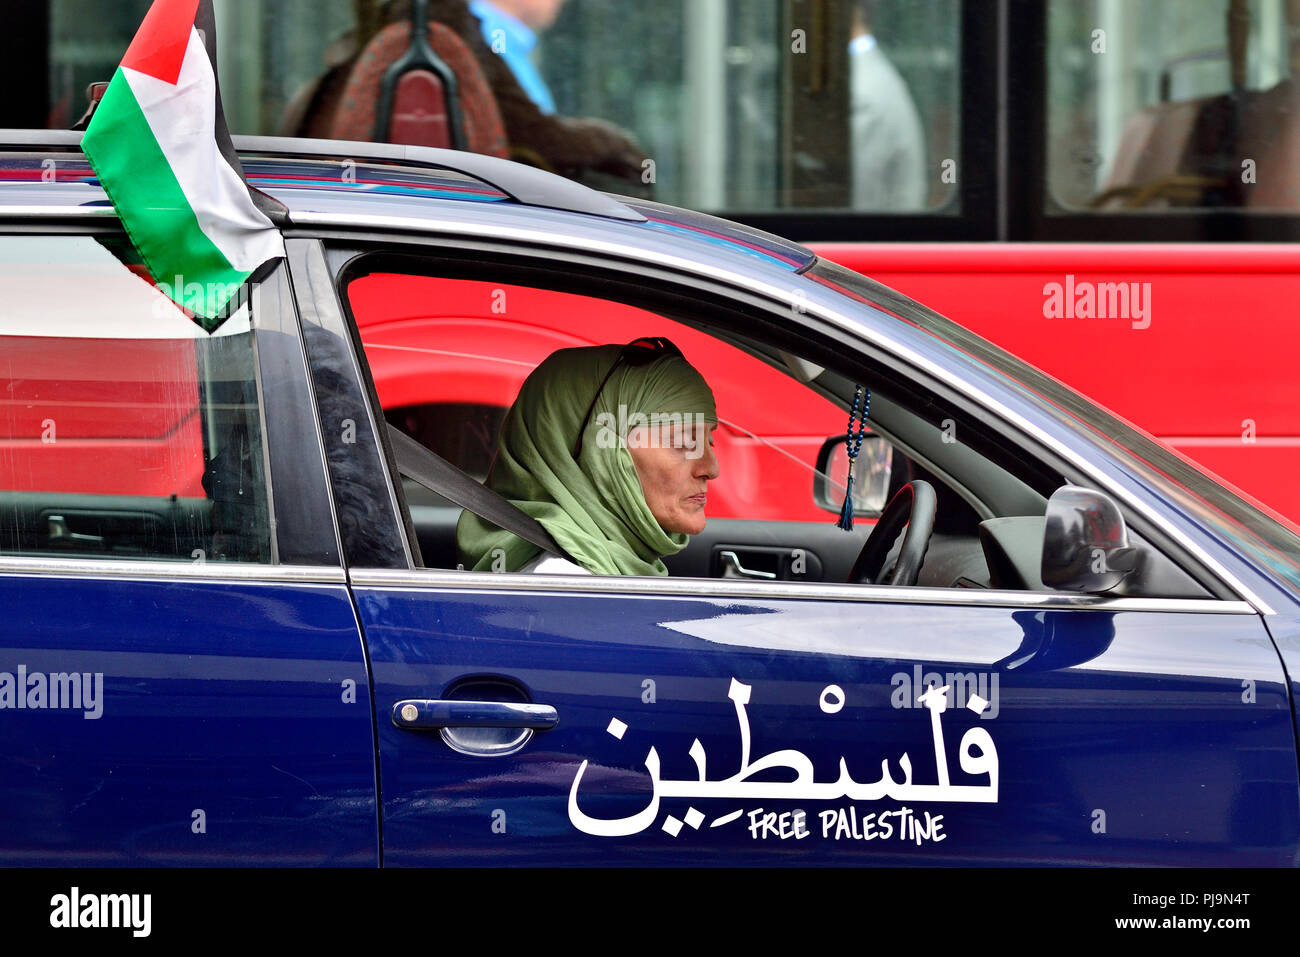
{"x":913,"y":505}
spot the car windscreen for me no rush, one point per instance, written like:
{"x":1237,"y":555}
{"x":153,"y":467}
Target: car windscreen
{"x":1247,"y":522}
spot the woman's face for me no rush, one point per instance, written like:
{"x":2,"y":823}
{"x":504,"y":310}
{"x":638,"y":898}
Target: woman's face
{"x":675,"y":465}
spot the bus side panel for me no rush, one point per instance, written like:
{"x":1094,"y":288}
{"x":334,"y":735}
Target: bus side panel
{"x":1194,"y":343}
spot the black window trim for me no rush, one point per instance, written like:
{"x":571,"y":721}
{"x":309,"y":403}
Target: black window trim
{"x":371,"y":513}
{"x":296,"y":473}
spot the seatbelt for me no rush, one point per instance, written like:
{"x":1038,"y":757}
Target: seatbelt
{"x":438,"y":475}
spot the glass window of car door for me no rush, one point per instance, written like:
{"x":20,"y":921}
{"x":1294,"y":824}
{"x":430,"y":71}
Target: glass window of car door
{"x":126,"y":431}
{"x":439,"y":346}
{"x":448,"y":358}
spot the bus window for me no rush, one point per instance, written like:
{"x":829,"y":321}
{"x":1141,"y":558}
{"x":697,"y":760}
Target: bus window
{"x":739,"y":106}
{"x":1173,"y":104}
{"x":746,"y":106}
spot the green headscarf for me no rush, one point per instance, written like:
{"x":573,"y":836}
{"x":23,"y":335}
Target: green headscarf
{"x":593,"y":506}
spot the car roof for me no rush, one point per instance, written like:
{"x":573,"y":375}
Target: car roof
{"x":45,"y":170}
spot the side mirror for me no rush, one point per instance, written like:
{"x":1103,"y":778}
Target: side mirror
{"x":1085,"y":543}
{"x":870,"y":477}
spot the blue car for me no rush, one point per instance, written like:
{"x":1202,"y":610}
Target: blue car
{"x":236,"y":632}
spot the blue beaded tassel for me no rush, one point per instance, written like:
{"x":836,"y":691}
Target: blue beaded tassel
{"x":853,"y":445}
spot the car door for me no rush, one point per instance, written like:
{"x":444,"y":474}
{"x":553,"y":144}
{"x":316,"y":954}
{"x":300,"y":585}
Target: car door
{"x":537,"y":719}
{"x":182,"y":680}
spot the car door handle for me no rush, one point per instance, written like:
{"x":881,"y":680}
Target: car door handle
{"x":60,"y":533}
{"x":731,"y":562}
{"x":427,"y":713}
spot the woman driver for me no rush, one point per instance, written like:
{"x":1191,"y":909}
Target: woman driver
{"x":610,"y":448}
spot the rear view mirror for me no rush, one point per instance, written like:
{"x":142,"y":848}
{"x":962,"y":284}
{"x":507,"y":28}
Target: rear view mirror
{"x":1085,"y":542}
{"x":870,"y":476}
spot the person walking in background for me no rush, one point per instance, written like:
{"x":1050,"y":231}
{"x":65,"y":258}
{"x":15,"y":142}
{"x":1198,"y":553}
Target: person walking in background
{"x":510,"y":28}
{"x":887,"y":140}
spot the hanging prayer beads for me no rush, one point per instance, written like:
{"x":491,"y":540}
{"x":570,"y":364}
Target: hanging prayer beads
{"x":853,"y":445}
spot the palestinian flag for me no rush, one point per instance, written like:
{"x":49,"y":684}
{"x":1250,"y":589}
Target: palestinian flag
{"x":159,"y":144}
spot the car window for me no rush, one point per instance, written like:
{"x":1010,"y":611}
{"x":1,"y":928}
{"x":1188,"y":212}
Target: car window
{"x":448,"y":357}
{"x":449,"y":353}
{"x":126,"y":431}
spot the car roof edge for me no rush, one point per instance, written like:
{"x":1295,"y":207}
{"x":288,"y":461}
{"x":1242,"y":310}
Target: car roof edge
{"x":524,"y":184}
